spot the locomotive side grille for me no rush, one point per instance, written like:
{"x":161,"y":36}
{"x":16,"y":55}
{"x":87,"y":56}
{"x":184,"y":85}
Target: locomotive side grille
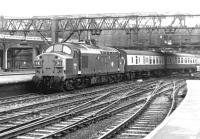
{"x":84,"y":61}
{"x":69,"y":66}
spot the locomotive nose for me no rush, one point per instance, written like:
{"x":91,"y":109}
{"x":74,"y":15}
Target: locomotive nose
{"x":51,"y":65}
{"x":47,"y":67}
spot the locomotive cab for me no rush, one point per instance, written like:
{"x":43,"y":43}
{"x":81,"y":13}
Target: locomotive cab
{"x":51,"y":66}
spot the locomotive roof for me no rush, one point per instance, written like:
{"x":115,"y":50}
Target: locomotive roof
{"x":91,"y":48}
{"x":141,"y":52}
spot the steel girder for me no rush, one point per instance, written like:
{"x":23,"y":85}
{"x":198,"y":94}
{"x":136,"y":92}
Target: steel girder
{"x":131,"y":22}
{"x":25,"y":25}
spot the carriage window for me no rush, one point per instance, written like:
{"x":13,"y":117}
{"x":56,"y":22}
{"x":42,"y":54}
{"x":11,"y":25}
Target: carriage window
{"x":143,"y":60}
{"x":185,"y":60}
{"x":154,"y":60}
{"x":136,"y":60}
{"x":181,"y":60}
{"x":146,"y":60}
{"x":150,"y":60}
{"x":190,"y":60}
{"x":132,"y":59}
{"x":157,"y":62}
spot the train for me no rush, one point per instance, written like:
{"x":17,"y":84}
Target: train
{"x":70,"y":65}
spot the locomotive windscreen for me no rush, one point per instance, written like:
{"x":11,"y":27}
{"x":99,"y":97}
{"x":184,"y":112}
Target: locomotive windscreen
{"x":59,"y":48}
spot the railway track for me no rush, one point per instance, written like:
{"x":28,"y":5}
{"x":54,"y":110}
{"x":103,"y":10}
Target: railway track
{"x":40,"y":121}
{"x":16,"y":101}
{"x":30,"y":113}
{"x":102,"y":100}
{"x":24,"y":114}
{"x":149,"y":116}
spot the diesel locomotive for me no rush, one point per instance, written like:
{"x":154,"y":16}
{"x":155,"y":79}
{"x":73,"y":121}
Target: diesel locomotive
{"x":77,"y":65}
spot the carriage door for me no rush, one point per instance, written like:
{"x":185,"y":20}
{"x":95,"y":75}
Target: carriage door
{"x":122,"y":63}
{"x":77,"y":61}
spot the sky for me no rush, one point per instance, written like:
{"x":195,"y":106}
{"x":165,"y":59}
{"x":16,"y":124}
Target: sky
{"x":29,"y":8}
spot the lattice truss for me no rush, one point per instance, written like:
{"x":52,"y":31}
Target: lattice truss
{"x":25,"y":25}
{"x":103,"y":23}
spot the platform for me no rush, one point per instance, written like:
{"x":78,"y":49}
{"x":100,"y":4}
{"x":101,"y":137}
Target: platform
{"x":184,"y":123}
{"x":15,"y":77}
{"x":2,"y":73}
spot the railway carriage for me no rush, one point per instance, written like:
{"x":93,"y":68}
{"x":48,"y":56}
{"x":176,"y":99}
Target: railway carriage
{"x":142,"y":62}
{"x":181,"y":62}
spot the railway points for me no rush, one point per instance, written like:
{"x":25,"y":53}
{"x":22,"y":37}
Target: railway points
{"x":184,"y":122}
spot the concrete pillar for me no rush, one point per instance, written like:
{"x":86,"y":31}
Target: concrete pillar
{"x":5,"y":57}
{"x":54,"y":30}
{"x":1,"y":59}
{"x":34,"y":53}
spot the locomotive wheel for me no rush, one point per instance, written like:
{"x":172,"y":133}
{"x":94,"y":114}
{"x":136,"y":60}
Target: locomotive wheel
{"x":115,"y":78}
{"x":111,"y":79}
{"x":42,"y":88}
{"x":79,"y":83}
{"x":68,"y":85}
{"x":119,"y":78}
{"x":87,"y":82}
